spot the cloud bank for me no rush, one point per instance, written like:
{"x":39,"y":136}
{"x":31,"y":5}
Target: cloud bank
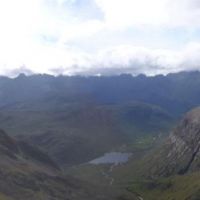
{"x":99,"y":37}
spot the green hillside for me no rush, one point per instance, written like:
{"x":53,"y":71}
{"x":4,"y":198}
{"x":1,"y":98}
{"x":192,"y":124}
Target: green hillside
{"x":77,"y":134}
{"x":185,"y":187}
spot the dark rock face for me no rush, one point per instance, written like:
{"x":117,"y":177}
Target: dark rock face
{"x":181,"y":152}
{"x":185,"y":142}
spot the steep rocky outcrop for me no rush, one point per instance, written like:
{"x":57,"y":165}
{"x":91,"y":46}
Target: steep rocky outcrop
{"x":181,"y":152}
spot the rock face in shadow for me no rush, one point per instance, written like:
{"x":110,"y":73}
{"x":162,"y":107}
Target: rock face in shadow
{"x":181,"y":152}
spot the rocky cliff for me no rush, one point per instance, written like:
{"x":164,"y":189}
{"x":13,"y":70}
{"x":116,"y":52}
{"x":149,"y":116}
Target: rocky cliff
{"x":180,"y":154}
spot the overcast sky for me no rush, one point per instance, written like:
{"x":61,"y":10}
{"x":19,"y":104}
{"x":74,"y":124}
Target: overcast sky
{"x":92,"y":37}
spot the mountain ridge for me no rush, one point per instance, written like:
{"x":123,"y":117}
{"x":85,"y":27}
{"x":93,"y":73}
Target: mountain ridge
{"x":176,"y":93}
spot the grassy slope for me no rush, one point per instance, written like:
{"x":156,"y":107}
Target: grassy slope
{"x":27,"y":173}
{"x":83,"y":130}
{"x":141,"y":123}
{"x":4,"y":197}
{"x":140,"y":146}
{"x":185,"y":187}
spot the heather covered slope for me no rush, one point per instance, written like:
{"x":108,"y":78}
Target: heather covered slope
{"x":185,"y":187}
{"x":81,"y":133}
{"x":27,"y":173}
{"x":12,"y":150}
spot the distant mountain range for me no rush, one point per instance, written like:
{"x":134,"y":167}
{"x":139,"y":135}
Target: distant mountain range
{"x":175,"y":93}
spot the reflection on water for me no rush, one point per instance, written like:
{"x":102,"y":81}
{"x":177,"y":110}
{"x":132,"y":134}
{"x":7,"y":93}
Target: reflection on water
{"x":112,"y":158}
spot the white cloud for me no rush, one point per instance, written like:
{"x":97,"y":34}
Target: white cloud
{"x":123,"y":13}
{"x":170,"y":13}
{"x":93,"y":36}
{"x":120,"y":59}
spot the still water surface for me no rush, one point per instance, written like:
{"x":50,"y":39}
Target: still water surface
{"x":112,"y":158}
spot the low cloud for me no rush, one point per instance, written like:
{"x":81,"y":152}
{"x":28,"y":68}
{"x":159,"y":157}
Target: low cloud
{"x":17,"y":71}
{"x":136,"y":60}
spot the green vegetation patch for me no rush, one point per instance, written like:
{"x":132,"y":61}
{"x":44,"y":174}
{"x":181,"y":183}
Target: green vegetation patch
{"x":173,"y":188}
